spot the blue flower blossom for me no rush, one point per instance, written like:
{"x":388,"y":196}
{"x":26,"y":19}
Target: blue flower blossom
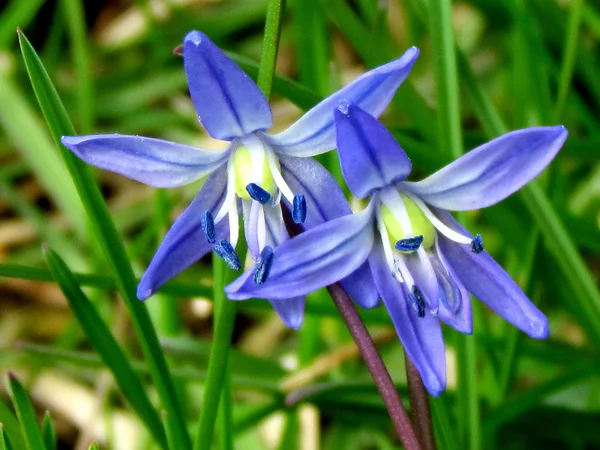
{"x":257,"y":169}
{"x":423,"y":262}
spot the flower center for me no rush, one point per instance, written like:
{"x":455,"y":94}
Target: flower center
{"x":420,"y":224}
{"x":252,"y":168}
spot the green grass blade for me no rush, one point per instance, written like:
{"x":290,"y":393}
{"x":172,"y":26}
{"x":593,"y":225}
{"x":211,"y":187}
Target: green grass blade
{"x":105,"y":344}
{"x":94,"y":446}
{"x":48,"y":432}
{"x":12,"y":430}
{"x":25,"y":413}
{"x":3,"y":442}
{"x":111,"y":243}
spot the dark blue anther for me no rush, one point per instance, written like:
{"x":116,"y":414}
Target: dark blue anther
{"x":409,"y":244}
{"x":263,"y":269}
{"x":257,"y":193}
{"x":227,"y":253}
{"x":417,"y":301}
{"x":299,"y":210}
{"x":477,"y":244}
{"x":208,"y":226}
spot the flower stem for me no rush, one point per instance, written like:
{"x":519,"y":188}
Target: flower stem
{"x":385,"y":385}
{"x":266,"y":69}
{"x":224,"y":319}
{"x":419,"y":406}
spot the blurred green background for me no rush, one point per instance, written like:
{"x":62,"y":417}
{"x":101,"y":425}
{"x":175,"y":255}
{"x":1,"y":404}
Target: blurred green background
{"x":520,"y":63}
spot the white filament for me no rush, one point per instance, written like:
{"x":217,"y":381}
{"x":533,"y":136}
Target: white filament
{"x":385,"y":240}
{"x":230,"y":194}
{"x":437,"y":223}
{"x":261,"y":229}
{"x":279,"y":181}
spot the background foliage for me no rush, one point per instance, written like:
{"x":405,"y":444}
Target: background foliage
{"x":83,"y":346}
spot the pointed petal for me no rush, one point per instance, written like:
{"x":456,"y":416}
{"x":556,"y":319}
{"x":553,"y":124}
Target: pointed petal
{"x":291,"y":310}
{"x":314,"y":133}
{"x":422,"y":271}
{"x":228,"y":102}
{"x":492,"y":172}
{"x":186,"y":243}
{"x":455,"y":305}
{"x":312,"y":260}
{"x":421,"y":336}
{"x":325,"y":200}
{"x":370,"y":157}
{"x":486,"y":280}
{"x":154,"y":162}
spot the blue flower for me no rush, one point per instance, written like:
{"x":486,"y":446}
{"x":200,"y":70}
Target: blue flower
{"x":423,"y":262}
{"x":256,"y":169}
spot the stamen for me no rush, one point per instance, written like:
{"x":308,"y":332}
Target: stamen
{"x":299,"y":210}
{"x":477,"y":244}
{"x":449,"y":292}
{"x":385,"y":240}
{"x":208,"y":226}
{"x":227,"y":253}
{"x":279,"y":181}
{"x":234,"y":223}
{"x":230,"y":195}
{"x":409,"y":244}
{"x":257,"y":193}
{"x":261,"y":229}
{"x":417,"y":301}
{"x":264,"y":266}
{"x":437,"y":223}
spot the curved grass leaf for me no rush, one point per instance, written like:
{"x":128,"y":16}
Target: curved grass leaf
{"x":11,"y":429}
{"x":25,"y":413}
{"x":106,"y":233}
{"x":105,"y":344}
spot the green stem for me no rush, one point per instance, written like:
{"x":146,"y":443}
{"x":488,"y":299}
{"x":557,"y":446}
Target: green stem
{"x":226,"y":414}
{"x":446,"y":79}
{"x":224,"y":319}
{"x":224,"y":309}
{"x":266,"y":68}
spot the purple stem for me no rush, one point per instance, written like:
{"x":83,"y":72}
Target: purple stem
{"x":374,"y":363}
{"x":366,"y":346}
{"x":419,"y":406}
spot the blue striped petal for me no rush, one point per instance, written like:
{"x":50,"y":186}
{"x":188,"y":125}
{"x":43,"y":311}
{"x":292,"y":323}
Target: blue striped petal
{"x":421,"y":336}
{"x":186,"y":243}
{"x":312,"y":260}
{"x":493,"y":171}
{"x":325,"y":201}
{"x":228,"y":102}
{"x":370,"y":157}
{"x":152,"y":161}
{"x":314,"y":133}
{"x":485,"y":279}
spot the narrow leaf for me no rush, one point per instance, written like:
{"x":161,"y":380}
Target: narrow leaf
{"x":25,"y":413}
{"x":106,"y":233}
{"x":105,"y":344}
{"x":48,"y":432}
